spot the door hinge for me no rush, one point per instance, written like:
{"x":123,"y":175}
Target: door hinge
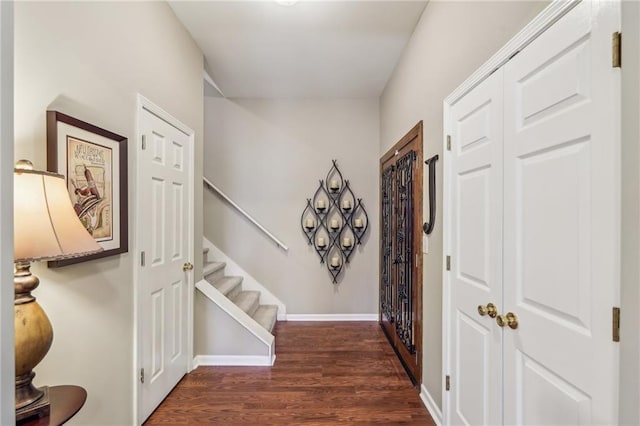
{"x":448,"y":142}
{"x":144,"y":142}
{"x":141,"y":258}
{"x":448,"y":263}
{"x":447,"y":383}
{"x":142,"y":375}
{"x":616,"y":47}
{"x":616,"y":324}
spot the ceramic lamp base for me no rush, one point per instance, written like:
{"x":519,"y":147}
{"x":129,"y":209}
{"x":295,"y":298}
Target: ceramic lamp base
{"x":38,"y":408}
{"x":33,"y":336}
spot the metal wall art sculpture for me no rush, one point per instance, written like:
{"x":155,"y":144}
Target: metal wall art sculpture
{"x":428,"y":226}
{"x":334,"y":221}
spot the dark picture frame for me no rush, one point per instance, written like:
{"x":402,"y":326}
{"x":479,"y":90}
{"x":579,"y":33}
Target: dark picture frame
{"x":94,"y":163}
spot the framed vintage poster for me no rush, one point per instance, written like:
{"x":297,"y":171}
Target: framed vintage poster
{"x":94,"y":163}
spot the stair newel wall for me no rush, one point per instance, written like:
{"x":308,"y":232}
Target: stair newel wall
{"x":234,"y":324}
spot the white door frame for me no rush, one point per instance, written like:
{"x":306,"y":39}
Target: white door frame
{"x":144,"y":104}
{"x":537,"y":26}
{"x":7,"y":363}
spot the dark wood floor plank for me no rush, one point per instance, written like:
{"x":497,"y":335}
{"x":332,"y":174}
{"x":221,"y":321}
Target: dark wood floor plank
{"x":325,"y":374}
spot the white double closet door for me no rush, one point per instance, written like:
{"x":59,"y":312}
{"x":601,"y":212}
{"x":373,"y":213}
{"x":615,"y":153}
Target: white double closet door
{"x":534,"y":229}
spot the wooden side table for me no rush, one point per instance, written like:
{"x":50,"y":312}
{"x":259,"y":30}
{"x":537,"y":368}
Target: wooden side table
{"x":66,"y":401}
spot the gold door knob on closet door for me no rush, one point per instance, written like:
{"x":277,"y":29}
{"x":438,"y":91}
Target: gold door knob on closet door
{"x":510,"y":320}
{"x":490,"y":309}
{"x":187,"y":266}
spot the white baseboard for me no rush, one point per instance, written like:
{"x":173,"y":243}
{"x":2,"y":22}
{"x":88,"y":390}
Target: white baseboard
{"x":233,"y":360}
{"x":431,"y":405}
{"x":332,"y":317}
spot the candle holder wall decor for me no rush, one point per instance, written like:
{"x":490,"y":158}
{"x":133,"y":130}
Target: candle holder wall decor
{"x":339,"y":221}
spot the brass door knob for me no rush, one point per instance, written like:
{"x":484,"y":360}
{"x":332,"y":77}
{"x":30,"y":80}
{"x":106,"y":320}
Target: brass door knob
{"x":490,"y":309}
{"x":187,"y":266}
{"x":510,"y":320}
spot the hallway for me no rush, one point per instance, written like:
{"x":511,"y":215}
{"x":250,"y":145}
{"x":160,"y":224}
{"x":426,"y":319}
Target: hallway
{"x":325,"y":373}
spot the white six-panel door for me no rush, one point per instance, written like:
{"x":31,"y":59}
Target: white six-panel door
{"x":561,"y":234}
{"x":476,"y":266}
{"x":534,"y":228}
{"x":166,"y":211}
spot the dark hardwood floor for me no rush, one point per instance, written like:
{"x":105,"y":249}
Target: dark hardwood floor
{"x":325,"y":374}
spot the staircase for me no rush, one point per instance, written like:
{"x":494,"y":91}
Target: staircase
{"x":231,"y":326}
{"x":231,"y":287}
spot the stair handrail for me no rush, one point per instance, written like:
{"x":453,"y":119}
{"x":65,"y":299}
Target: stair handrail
{"x":245,"y":214}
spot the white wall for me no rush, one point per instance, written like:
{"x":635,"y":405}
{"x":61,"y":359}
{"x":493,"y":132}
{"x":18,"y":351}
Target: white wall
{"x":7,"y":362}
{"x":217,"y":333}
{"x":630,"y":249}
{"x":451,"y":40}
{"x":268,"y":156}
{"x":89,"y":60}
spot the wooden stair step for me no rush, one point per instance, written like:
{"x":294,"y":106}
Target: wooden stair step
{"x":266,"y":316}
{"x":248,"y":301}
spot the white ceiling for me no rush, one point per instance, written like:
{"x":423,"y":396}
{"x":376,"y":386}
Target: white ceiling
{"x":328,"y":49}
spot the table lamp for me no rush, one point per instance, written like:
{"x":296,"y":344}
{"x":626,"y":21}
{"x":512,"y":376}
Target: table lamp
{"x":46,"y":227}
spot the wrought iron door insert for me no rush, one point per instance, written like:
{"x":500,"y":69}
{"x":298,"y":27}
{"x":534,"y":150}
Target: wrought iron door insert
{"x":387,"y":261}
{"x":404,"y":249}
{"x":400,"y":301}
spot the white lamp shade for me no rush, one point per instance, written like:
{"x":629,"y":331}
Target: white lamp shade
{"x":46,"y":227}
